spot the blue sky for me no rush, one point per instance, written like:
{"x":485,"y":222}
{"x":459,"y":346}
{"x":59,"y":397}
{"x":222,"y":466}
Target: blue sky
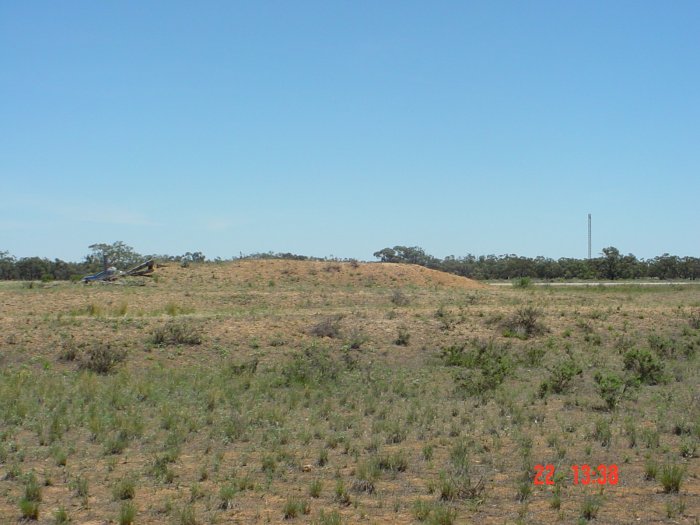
{"x":340,"y":128}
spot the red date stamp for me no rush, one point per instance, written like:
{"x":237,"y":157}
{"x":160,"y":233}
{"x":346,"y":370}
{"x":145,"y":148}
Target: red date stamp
{"x":582,"y":474}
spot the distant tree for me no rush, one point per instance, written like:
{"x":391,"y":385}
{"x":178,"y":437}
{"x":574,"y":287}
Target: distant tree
{"x":196,"y":257}
{"x":610,"y":264}
{"x":33,"y":268}
{"x":387,"y":255}
{"x":666,"y":266}
{"x":117,"y":254}
{"x":690,"y":268}
{"x":8,"y":269}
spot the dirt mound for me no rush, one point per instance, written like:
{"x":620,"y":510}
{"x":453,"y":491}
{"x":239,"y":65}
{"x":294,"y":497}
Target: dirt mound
{"x":329,"y":273}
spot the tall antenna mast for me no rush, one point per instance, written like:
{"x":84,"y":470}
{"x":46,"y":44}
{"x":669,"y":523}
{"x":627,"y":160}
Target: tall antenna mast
{"x":589,"y":236}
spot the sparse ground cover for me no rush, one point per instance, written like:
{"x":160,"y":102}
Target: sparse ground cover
{"x":322,"y":392}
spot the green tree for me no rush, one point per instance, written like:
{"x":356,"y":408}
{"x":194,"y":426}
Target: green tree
{"x":116,"y":254}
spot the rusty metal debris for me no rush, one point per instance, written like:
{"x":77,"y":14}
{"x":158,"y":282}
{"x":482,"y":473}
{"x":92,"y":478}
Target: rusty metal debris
{"x":111,"y":274}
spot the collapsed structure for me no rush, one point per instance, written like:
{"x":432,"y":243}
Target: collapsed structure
{"x":111,"y":274}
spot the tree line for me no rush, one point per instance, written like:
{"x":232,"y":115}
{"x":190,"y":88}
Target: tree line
{"x":117,"y":254}
{"x":611,"y":264}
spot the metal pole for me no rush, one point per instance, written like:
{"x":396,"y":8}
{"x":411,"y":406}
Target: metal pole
{"x":589,"y":236}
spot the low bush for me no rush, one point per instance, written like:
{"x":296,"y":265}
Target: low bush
{"x":328,"y":327}
{"x":560,"y":376}
{"x":176,"y":332}
{"x":645,"y":364}
{"x":102,"y":359}
{"x":524,"y":323}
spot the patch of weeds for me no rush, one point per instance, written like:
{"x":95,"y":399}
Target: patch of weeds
{"x":394,"y":462}
{"x":522,"y":282}
{"x":675,"y":509}
{"x":294,"y":507}
{"x":315,"y":488}
{"x":127,"y":513}
{"x":61,"y":517}
{"x":602,"y":432}
{"x":226,"y":495}
{"x":331,"y":518}
{"x":69,"y":351}
{"x":524,"y":323}
{"x":269,"y":464}
{"x":328,"y":327}
{"x":341,"y":493}
{"x":365,"y":477}
{"x":442,"y":514}
{"x":59,"y":456}
{"x":29,"y":509}
{"x":534,"y":355}
{"x":399,"y":298}
{"x":651,"y":469}
{"x":590,"y":506}
{"x":689,"y":447}
{"x":29,"y":504}
{"x":102,"y":359}
{"x":671,"y":477}
{"x":172,"y":308}
{"x":356,"y":339}
{"x":312,"y":366}
{"x":124,"y":489}
{"x":422,"y":509}
{"x":663,"y":346}
{"x":651,"y":438}
{"x":176,"y":332}
{"x":403,"y":337}
{"x":187,"y":516}
{"x":81,"y":488}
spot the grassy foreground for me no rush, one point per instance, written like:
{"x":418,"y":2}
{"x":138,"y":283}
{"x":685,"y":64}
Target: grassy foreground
{"x":314,"y":392}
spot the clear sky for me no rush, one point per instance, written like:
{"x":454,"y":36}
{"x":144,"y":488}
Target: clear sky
{"x":342,"y":127}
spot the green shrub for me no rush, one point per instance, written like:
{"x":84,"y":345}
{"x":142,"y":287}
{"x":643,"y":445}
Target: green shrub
{"x":611,"y":387}
{"x":483,"y":367}
{"x":661,"y":345}
{"x":646,"y":366}
{"x":560,"y":376}
{"x":522,"y":282}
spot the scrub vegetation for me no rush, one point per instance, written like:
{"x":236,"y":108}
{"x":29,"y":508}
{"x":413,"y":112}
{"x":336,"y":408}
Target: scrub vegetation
{"x":284,"y":391}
